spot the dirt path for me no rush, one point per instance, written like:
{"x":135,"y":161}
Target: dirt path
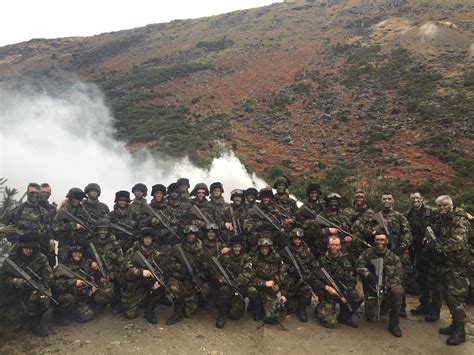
{"x":113,"y":334}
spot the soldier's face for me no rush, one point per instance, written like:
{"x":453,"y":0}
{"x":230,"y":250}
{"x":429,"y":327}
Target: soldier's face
{"x":102,"y":232}
{"x":147,"y":240}
{"x":237,"y":200}
{"x":359,"y":199}
{"x":266,"y":200}
{"x":380,"y":242}
{"x":122,"y":203}
{"x":281,"y":188}
{"x":201,"y":194}
{"x":211,"y":234}
{"x":158,"y":196}
{"x":444,"y":207}
{"x":236,"y":249}
{"x":250,"y":199}
{"x":174,"y":195}
{"x":264,"y":250}
{"x":45,"y":193}
{"x":334,"y":246}
{"x":388,"y":201}
{"x":77,"y":255}
{"x":216,"y":193}
{"x":416,"y":200}
{"x":93,"y":194}
{"x":27,"y":251}
{"x":190,"y":238}
{"x":33,"y":195}
{"x":296,"y":241}
{"x":75,"y":202}
{"x":333,"y":205}
{"x":138,"y":194}
{"x":313,"y":195}
{"x":183,"y":189}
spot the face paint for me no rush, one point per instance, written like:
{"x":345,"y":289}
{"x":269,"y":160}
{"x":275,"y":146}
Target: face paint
{"x":359,"y":200}
{"x":102,"y":232}
{"x":388,"y":201}
{"x":380,"y":243}
{"x":33,"y":197}
{"x":236,"y":249}
{"x":281,"y":188}
{"x":444,"y":207}
{"x":313,"y":195}
{"x":416,"y":200}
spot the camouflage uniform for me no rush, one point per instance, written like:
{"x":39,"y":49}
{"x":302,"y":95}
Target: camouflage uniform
{"x":19,"y":302}
{"x":258,"y":227}
{"x":96,"y":209}
{"x":322,"y":232}
{"x":360,"y":221}
{"x":123,"y":217}
{"x":341,"y":270}
{"x":306,"y":220}
{"x":239,"y":213}
{"x":206,"y":208}
{"x":219,"y":206}
{"x":392,"y":270}
{"x":136,"y":207}
{"x":136,"y":288}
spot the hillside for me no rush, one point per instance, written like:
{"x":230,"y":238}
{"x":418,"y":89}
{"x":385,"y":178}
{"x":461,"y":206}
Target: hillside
{"x":373,"y":93}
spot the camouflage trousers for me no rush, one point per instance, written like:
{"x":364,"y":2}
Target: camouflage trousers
{"x":139,"y":293}
{"x":227,"y":297}
{"x":435,"y":287}
{"x":455,"y":285}
{"x":266,"y":297}
{"x":392,"y":301}
{"x":72,"y":307}
{"x":186,"y":291}
{"x":299,"y":293}
{"x":326,"y":308}
{"x":16,"y":305}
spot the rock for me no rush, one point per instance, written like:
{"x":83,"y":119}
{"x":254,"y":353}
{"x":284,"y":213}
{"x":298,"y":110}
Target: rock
{"x":258,"y":159}
{"x":262,"y":152}
{"x":408,"y":169}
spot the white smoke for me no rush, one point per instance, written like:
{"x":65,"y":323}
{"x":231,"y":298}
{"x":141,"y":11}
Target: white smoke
{"x":64,"y":136}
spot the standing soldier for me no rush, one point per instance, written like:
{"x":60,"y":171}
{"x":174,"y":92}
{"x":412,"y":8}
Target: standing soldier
{"x":202,"y":211}
{"x":72,"y":224}
{"x":139,"y":191}
{"x":419,"y":217}
{"x":177,"y":207}
{"x":238,"y":265}
{"x":250,"y":196}
{"x":399,"y":238}
{"x":218,"y":203}
{"x":270,"y":285}
{"x":26,"y":304}
{"x":299,"y":290}
{"x":45,"y":194}
{"x":122,"y":215}
{"x":234,"y":214}
{"x":282,"y":198}
{"x":185,"y":276}
{"x":451,"y":257}
{"x":94,"y":207}
{"x":139,"y":284}
{"x":31,"y":216}
{"x":306,"y":215}
{"x":183,"y":189}
{"x":340,"y":269}
{"x":391,"y":292}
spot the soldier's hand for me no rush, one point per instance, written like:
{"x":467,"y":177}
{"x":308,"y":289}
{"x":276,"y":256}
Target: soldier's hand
{"x":20,"y":283}
{"x":225,"y":250}
{"x":282,"y":299}
{"x":343,"y":300}
{"x":348,"y":239}
{"x":269,"y":283}
{"x":52,"y":245}
{"x":95,"y":266}
{"x":93,"y":290}
{"x":333,"y":230}
{"x":288,"y":221}
{"x":331,"y":290}
{"x":78,"y":226}
{"x":221,"y":280}
{"x":80,"y":283}
{"x":229,"y":227}
{"x":147,"y":273}
{"x":156,"y":285}
{"x":155,"y":221}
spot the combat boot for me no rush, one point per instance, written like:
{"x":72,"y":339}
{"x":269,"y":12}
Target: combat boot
{"x":395,"y":330}
{"x":220,"y":321}
{"x":302,"y":316}
{"x":433,"y":316}
{"x":345,"y":317}
{"x":258,"y":310}
{"x":150,"y":316}
{"x":421,"y":309}
{"x":60,"y":317}
{"x":449,"y":330}
{"x":178,"y":314}
{"x":458,"y":336}
{"x":37,"y":327}
{"x":403,"y":310}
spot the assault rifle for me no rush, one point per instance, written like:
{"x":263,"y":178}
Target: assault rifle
{"x":100,"y":262}
{"x":288,"y":255}
{"x":162,"y":218}
{"x":235,"y":225}
{"x":179,"y":253}
{"x":381,"y":287}
{"x":121,"y":227}
{"x":85,"y":224}
{"x":438,"y":244}
{"x":63,"y":270}
{"x":201,"y":215}
{"x":269,"y":220}
{"x":392,"y":239}
{"x":341,"y":289}
{"x":218,"y":269}
{"x":34,"y":281}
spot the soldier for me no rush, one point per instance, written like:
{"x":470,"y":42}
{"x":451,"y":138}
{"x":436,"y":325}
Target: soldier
{"x":393,"y":285}
{"x":419,"y":216}
{"x":122,"y":215}
{"x":270,"y":284}
{"x":238,"y":265}
{"x":67,"y":230}
{"x":207,"y":212}
{"x":282,"y":198}
{"x":250,"y":196}
{"x":177,"y":206}
{"x":299,"y":290}
{"x":24,"y":303}
{"x":45,"y":194}
{"x":139,"y":191}
{"x":340,"y":269}
{"x":190,"y":294}
{"x":211,"y":246}
{"x":306,"y":215}
{"x":31,"y":216}
{"x":183,"y":188}
{"x":111,"y":252}
{"x":235,"y":213}
{"x":94,"y":207}
{"x":77,"y":299}
{"x":139,"y":284}
{"x":218,"y":202}
{"x":400,"y":238}
{"x":450,"y":270}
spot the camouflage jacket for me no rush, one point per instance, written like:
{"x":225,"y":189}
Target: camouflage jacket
{"x":454,"y":230}
{"x":122,"y":217}
{"x":399,"y":228}
{"x":210,"y":249}
{"x":419,"y":219}
{"x":219,"y":206}
{"x":136,"y":207}
{"x":50,"y":207}
{"x":65,"y":284}
{"x":360,"y":220}
{"x":303,"y":257}
{"x":238,"y":267}
{"x":286,"y":202}
{"x":195,"y":256}
{"x":270,"y":268}
{"x":392,"y":266}
{"x":64,"y":226}
{"x":133,"y":270}
{"x":178,"y":210}
{"x":339,"y":267}
{"x":239,"y":213}
{"x":355,"y":214}
{"x":147,"y":219}
{"x":96,"y":209}
{"x":208,"y":210}
{"x":112,"y":253}
{"x":28,"y":217}
{"x":37,"y":262}
{"x":255,"y":223}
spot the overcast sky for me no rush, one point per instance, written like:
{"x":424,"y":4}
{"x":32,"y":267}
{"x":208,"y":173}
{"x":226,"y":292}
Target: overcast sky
{"x":23,"y":20}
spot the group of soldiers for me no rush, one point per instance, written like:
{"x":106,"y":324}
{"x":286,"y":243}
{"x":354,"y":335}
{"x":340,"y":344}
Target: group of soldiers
{"x":260,"y":252}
